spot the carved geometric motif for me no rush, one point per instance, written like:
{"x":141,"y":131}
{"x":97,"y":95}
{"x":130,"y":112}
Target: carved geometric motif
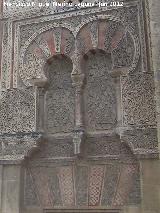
{"x":44,"y":46}
{"x":59,"y":97}
{"x":138,"y":100}
{"x":17,"y":111}
{"x":100,"y":95}
{"x":34,"y":62}
{"x":45,"y":42}
{"x":110,"y":180}
{"x":107,"y":146}
{"x":95,"y":184}
{"x":123,"y":53}
{"x":44,"y":193}
{"x":113,"y":35}
{"x":54,"y":185}
{"x":66,"y":181}
{"x":58,"y":185}
{"x":142,"y":141}
{"x":126,"y":179}
{"x":84,"y":40}
{"x":30,"y":195}
{"x":55,"y":148}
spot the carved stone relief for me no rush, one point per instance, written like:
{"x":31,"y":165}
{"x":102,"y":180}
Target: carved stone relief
{"x":123,"y":52}
{"x":59,"y":97}
{"x":110,"y":43}
{"x":17,"y":111}
{"x":104,"y":185}
{"x":28,"y":29}
{"x":142,"y":142}
{"x":33,"y":66}
{"x":14,"y":148}
{"x":46,"y":45}
{"x":100,"y":94}
{"x":115,"y":30}
{"x":138,"y":100}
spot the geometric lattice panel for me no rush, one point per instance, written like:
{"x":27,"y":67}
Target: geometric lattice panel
{"x":84,"y":185}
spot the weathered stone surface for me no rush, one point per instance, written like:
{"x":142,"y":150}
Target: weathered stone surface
{"x":100,"y":94}
{"x":85,"y":184}
{"x":81,"y":80}
{"x":16,"y":147}
{"x":17,"y":111}
{"x":138,"y":103}
{"x":59,"y":97}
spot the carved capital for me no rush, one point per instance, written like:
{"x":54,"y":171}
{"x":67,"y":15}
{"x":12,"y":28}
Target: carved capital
{"x":78,"y":139}
{"x":40,"y":91}
{"x":39,"y":82}
{"x":78,"y":80}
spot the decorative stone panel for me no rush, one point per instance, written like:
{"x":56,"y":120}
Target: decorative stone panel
{"x":110,"y":35}
{"x":14,"y":148}
{"x":61,"y":148}
{"x":21,"y":35}
{"x":142,"y":142}
{"x":138,"y":100}
{"x":17,"y":111}
{"x":100,"y":93}
{"x":104,"y":185}
{"x":47,"y":44}
{"x":82,"y":77}
{"x":59,"y":99}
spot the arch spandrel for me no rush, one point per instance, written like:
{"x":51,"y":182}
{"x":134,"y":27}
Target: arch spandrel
{"x":114,"y":38}
{"x":42,"y":48}
{"x":106,"y":33}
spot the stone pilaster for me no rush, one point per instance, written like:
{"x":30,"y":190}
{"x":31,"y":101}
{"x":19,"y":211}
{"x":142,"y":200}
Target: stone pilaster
{"x":39,"y":84}
{"x":11,"y":188}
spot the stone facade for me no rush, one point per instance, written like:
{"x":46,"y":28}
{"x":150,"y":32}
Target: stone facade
{"x":79,"y":107}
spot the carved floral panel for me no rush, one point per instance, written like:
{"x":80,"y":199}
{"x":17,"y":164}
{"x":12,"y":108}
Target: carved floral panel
{"x":59,"y":99}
